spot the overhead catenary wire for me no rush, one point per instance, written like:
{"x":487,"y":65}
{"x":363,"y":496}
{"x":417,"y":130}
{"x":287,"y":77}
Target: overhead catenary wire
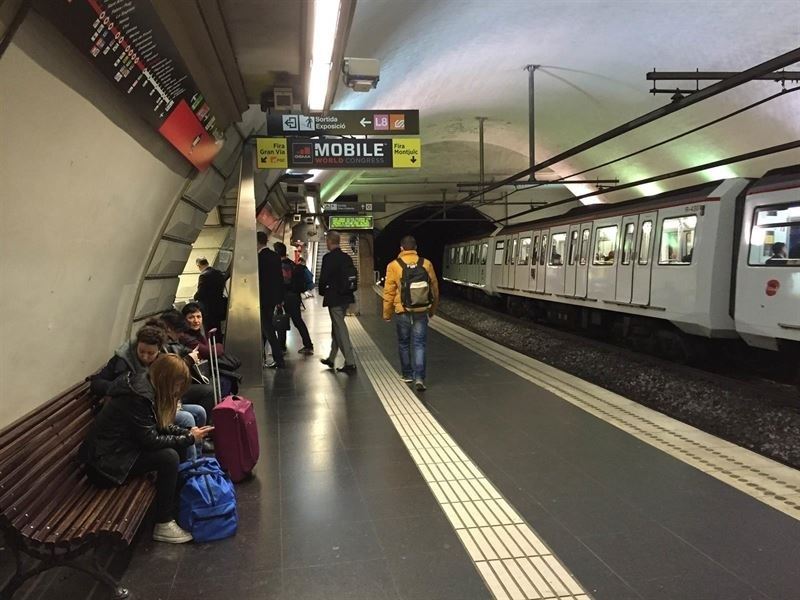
{"x":666,"y":141}
{"x":734,"y":113}
{"x":765,"y":67}
{"x":689,"y":170}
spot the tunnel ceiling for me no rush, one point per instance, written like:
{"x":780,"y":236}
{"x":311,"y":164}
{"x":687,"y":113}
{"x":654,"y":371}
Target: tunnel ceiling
{"x":455,"y":60}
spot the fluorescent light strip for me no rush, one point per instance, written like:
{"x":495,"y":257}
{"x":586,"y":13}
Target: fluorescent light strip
{"x":326,"y":23}
{"x":311,"y":204}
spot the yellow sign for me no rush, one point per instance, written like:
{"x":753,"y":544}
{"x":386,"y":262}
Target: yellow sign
{"x":272,"y":153}
{"x":406,"y":153}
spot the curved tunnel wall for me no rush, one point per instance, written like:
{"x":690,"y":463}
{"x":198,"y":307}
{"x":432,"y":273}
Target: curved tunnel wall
{"x":89,"y":190}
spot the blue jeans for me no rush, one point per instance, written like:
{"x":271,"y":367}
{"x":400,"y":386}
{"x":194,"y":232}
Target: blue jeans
{"x":191,"y":415}
{"x":412,"y":337}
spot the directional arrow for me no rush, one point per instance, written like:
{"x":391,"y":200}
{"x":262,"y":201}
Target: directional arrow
{"x":364,"y":122}
{"x":413,"y":159}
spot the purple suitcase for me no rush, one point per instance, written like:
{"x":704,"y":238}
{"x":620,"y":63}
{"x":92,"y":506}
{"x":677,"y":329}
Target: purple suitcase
{"x":235,"y":431}
{"x":236,"y":436}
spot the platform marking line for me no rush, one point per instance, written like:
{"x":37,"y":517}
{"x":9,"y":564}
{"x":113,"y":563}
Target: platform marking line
{"x":764,"y":479}
{"x":510,"y":557}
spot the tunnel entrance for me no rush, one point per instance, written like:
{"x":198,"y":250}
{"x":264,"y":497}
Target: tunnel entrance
{"x":432,"y":237}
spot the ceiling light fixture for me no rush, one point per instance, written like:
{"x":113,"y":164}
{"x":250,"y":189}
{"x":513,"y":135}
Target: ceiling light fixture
{"x":326,"y":23}
{"x":311,"y":204}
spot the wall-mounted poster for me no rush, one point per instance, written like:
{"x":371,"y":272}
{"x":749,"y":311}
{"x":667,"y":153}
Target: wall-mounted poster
{"x":128,"y":44}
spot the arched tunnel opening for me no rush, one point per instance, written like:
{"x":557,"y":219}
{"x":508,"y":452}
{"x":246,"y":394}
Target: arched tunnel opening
{"x":432,"y":236}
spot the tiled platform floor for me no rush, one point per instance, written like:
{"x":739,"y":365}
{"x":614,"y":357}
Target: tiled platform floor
{"x":338,"y":508}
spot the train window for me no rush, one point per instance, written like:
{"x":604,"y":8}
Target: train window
{"x":627,"y":243}
{"x":484,"y":253}
{"x":543,"y":253}
{"x":535,"y":250}
{"x":645,"y":242}
{"x":573,"y":246}
{"x":605,"y":246}
{"x":584,"y":246}
{"x":498,"y":252}
{"x":775,"y":237}
{"x":557,"y":243}
{"x":524,"y":251}
{"x":677,"y":240}
{"x":461,"y":255}
{"x":474,"y":256}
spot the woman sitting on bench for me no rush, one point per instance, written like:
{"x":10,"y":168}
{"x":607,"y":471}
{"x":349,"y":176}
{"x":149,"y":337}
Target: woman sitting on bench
{"x":134,"y":434}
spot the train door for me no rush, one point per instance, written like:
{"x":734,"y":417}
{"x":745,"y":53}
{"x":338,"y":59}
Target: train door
{"x":533,"y":271}
{"x":571,"y":261}
{"x":522,"y":271}
{"x":643,"y":261}
{"x":627,"y":259}
{"x":498,"y":262}
{"x":555,"y":261}
{"x":482,"y":259}
{"x":541,"y":273}
{"x":512,"y":261}
{"x":584,"y":256}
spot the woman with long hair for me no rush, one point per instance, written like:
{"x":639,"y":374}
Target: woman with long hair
{"x":134,"y":434}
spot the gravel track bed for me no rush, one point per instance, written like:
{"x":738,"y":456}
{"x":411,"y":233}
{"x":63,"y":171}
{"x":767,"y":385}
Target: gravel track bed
{"x":763,"y":417}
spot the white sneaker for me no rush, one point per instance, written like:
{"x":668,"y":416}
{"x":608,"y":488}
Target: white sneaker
{"x":420,"y":385}
{"x":406,"y":379}
{"x":171,"y":533}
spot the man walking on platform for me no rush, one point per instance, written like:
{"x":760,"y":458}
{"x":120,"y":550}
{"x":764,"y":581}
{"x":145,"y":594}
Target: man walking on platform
{"x":294,"y":283}
{"x":270,"y":287}
{"x":411,"y":295}
{"x":338,"y":279}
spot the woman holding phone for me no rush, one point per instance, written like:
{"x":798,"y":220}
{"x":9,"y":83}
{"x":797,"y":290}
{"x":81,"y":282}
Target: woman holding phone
{"x":134,"y":434}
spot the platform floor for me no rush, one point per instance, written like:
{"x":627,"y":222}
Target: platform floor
{"x":509,"y":491}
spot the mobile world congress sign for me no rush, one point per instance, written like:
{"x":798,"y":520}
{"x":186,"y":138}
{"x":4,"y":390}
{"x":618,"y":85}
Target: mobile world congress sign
{"x":301,"y":153}
{"x":346,"y":122}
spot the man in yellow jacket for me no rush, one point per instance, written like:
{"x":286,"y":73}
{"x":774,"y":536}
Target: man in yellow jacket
{"x":411,"y":295}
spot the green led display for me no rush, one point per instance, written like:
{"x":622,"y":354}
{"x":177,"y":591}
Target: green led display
{"x":350,"y":222}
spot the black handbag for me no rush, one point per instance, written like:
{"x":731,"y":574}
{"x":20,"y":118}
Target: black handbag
{"x":280,"y":320}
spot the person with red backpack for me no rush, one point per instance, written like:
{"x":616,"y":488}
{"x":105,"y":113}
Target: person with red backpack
{"x":411,"y":295}
{"x":294,"y":284}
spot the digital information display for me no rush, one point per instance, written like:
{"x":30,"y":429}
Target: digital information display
{"x":348,"y":222}
{"x":128,"y":44}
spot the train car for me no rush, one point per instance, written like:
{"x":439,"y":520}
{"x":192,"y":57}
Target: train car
{"x":767,"y":298}
{"x":655,"y":269}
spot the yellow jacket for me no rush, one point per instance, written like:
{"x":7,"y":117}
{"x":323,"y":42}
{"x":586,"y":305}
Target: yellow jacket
{"x":391,"y":291}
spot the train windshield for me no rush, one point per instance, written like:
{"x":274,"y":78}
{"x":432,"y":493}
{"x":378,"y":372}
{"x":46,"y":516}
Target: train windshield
{"x":775,"y":237}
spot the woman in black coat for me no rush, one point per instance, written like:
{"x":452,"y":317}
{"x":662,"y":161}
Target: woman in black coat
{"x":134,"y":434}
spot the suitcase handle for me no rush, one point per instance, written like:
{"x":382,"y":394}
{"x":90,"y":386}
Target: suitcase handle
{"x":215,"y":378}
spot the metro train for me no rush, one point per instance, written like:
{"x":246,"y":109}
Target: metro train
{"x":664,"y":272}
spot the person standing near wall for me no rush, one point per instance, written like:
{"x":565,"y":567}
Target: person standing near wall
{"x":410,"y":295}
{"x":211,"y":294}
{"x":333,"y":285}
{"x":270,"y":286}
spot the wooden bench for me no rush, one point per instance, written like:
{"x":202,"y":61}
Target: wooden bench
{"x":50,"y":514}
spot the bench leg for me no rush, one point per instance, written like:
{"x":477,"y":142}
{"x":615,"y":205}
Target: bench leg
{"x":22,"y":575}
{"x":96,"y":570}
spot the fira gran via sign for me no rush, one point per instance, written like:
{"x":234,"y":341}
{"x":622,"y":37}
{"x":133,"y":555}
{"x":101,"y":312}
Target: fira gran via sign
{"x":303,"y":153}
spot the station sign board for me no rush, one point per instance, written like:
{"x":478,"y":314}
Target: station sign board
{"x":346,"y":122}
{"x":129,"y":45}
{"x":350,"y":222}
{"x":303,"y":153}
{"x":341,"y":208}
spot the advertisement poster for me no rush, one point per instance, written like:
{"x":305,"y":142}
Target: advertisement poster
{"x":127,"y":43}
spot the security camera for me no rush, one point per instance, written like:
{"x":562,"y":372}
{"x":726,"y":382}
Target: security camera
{"x":361,"y":74}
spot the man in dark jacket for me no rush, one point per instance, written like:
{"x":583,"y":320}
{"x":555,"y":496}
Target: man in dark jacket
{"x":210,"y":294}
{"x":270,"y":286}
{"x":333,"y":287}
{"x":294,"y":282}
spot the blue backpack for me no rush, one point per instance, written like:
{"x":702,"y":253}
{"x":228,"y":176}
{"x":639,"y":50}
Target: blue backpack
{"x":208,"y":501}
